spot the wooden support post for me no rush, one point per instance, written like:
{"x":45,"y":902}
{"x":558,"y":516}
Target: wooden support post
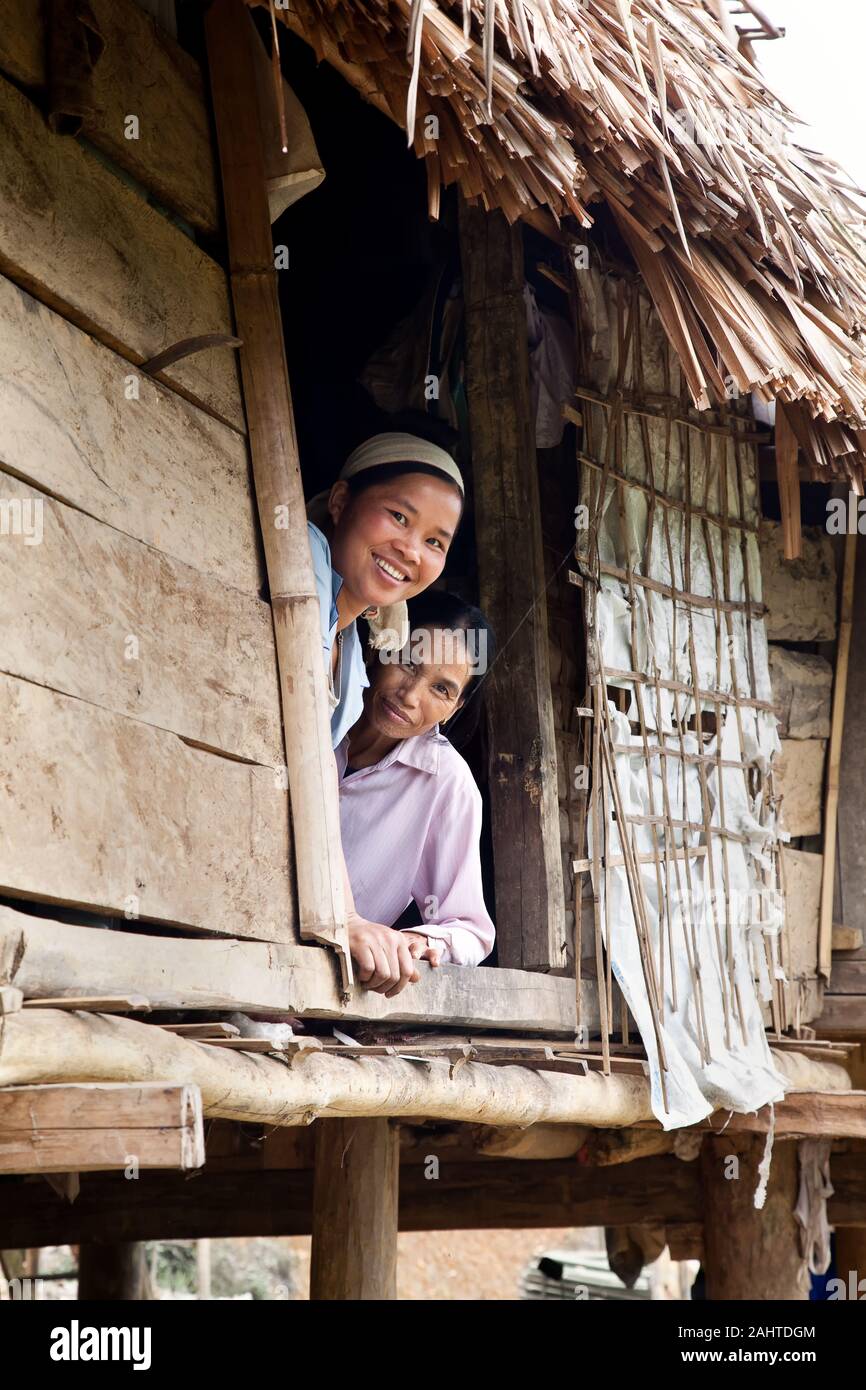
{"x":276,"y":472}
{"x":750,"y":1253}
{"x":530,"y":904}
{"x":355,"y":1194}
{"x":113,"y":1272}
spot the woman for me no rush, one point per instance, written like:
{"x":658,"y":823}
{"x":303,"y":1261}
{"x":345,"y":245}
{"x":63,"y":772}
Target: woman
{"x":390,"y":519}
{"x":383,"y":534}
{"x":409,"y":808}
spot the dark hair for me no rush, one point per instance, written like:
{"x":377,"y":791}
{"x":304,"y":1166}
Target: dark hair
{"x":387,"y":472}
{"x":434,"y":608}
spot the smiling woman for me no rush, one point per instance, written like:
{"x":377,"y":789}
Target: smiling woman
{"x":410,"y":811}
{"x":383,"y":534}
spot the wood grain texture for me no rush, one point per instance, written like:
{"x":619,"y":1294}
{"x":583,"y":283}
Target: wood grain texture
{"x":87,"y":1128}
{"x":487,"y":1194}
{"x":749,"y":1253}
{"x":81,"y":240}
{"x":94,"y":614}
{"x":530,"y":902}
{"x":142,"y":71}
{"x":45,"y":958}
{"x":355,"y":1199}
{"x":156,"y":468}
{"x":105,"y":812}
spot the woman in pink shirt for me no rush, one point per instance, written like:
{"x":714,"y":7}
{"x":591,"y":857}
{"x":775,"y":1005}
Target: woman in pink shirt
{"x":409,"y":808}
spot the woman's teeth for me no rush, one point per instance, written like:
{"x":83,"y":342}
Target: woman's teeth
{"x":389,"y":569}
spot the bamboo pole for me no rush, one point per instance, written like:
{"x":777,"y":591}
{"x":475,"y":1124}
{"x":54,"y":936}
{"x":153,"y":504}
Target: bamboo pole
{"x":834,"y":758}
{"x":279,"y":492}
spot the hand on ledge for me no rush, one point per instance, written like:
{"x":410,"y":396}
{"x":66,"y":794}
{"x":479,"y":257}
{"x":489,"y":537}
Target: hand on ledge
{"x":428,"y":950}
{"x":385,"y":958}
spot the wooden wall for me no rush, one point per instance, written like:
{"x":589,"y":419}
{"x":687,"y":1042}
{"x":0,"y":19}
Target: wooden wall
{"x":139,"y":707}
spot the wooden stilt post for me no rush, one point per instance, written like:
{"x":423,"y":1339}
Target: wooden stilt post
{"x":276,"y":472}
{"x":530,"y":901}
{"x":851,"y":1260}
{"x":355,"y":1191}
{"x":750,"y":1253}
{"x":112,"y":1272}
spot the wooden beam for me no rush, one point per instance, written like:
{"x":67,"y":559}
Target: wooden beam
{"x":750,"y":1254}
{"x":78,"y":238}
{"x":152,"y":466}
{"x":842,"y":1013}
{"x":153,"y":638}
{"x":846,"y":939}
{"x":834,"y":758}
{"x":787,"y":452}
{"x":104,"y":812}
{"x":45,"y":958}
{"x":487,"y":1194}
{"x":355,"y":1195}
{"x":94,"y":1128}
{"x":279,"y":490}
{"x":142,"y":71}
{"x":530,"y":902}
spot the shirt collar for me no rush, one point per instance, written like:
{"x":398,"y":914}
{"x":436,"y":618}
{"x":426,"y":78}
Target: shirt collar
{"x":422,"y":752}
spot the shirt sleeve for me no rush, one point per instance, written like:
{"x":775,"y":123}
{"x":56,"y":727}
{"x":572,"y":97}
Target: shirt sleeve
{"x":322,"y":569}
{"x":447,"y":886}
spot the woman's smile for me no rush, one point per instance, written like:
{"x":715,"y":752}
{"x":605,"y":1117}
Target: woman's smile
{"x":391,"y":571}
{"x":392,"y":713}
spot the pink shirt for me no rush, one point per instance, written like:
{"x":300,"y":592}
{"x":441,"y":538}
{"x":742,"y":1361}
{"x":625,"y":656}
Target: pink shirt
{"x":411,"y":826}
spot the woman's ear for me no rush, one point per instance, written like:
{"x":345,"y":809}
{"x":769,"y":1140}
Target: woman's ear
{"x":338,"y":499}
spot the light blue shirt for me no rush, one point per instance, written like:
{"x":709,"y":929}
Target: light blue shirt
{"x":353,"y":675}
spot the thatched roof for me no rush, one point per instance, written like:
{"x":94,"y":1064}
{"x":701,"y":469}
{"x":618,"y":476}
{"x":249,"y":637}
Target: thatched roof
{"x":751,"y":246}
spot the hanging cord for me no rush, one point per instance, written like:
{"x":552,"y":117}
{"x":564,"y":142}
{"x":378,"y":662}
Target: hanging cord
{"x":278,"y":79}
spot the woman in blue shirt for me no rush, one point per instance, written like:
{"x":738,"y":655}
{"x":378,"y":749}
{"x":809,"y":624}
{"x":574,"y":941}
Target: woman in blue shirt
{"x":380,"y":536}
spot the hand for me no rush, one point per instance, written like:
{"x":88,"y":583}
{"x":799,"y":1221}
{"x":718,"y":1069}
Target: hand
{"x":385,"y":959}
{"x":427,"y":950}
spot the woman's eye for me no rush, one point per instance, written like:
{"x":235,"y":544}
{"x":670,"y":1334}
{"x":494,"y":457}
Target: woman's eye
{"x":398,"y":516}
{"x":434,"y":541}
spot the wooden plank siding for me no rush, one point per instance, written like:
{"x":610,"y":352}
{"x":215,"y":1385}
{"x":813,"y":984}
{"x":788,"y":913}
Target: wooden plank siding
{"x":85,"y":243}
{"x":143,"y":72}
{"x":104,"y":812}
{"x":155,"y":467}
{"x":90,"y":612}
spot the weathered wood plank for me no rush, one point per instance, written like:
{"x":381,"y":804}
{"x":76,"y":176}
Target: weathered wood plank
{"x":94,"y":1128}
{"x":800,"y":594}
{"x":802,"y":882}
{"x":84,"y":242}
{"x":798,"y":779}
{"x":842,"y":1013}
{"x":95,"y":614}
{"x":848,"y":977}
{"x":530,"y":900}
{"x":22,"y":42}
{"x":144,"y":72}
{"x":156,"y":467}
{"x":106,"y":812}
{"x":802,"y":693}
{"x":45,"y":958}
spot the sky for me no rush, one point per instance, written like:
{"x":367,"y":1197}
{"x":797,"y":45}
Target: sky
{"x":818,"y":69}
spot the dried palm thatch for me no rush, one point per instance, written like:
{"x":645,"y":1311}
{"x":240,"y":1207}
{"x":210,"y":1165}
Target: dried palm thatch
{"x":752,"y":247}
